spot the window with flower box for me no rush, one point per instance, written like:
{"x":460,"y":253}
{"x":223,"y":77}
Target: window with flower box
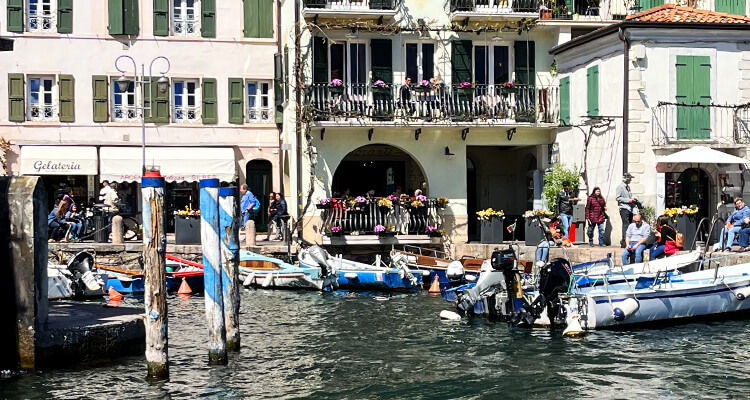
{"x":185,"y":98}
{"x":42,"y":105}
{"x":259,"y":102}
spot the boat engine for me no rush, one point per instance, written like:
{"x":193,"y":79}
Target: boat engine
{"x":320,"y":256}
{"x":83,"y":278}
{"x":400,"y":262}
{"x":554,"y":278}
{"x":489,"y":279}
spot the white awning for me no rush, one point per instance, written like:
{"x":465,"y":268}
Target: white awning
{"x":701,"y":155}
{"x":177,"y":164}
{"x":58,"y":160}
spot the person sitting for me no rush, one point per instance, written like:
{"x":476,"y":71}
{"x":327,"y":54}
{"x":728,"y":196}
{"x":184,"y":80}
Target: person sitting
{"x":734,"y":223}
{"x":76,"y":226}
{"x":665,"y":239}
{"x":744,"y":235}
{"x":552,"y":236}
{"x":635,"y":240}
{"x":58,"y":226}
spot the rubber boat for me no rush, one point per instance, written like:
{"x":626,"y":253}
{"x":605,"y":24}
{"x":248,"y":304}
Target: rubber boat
{"x":314,"y":273}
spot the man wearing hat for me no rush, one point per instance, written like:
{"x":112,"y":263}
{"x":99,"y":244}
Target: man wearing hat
{"x":625,"y":202}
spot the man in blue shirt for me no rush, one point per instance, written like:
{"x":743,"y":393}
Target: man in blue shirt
{"x":635,"y":239}
{"x":247,"y":205}
{"x":734,"y":222}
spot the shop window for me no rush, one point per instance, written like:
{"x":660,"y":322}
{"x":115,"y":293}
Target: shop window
{"x":185,"y":100}
{"x":42,"y":105}
{"x":259,"y":101}
{"x":124,"y":107}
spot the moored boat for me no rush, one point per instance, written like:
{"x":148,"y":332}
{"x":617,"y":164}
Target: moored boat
{"x":313,"y":273}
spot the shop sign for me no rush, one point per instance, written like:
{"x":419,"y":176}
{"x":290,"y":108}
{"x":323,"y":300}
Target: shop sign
{"x":58,"y":160}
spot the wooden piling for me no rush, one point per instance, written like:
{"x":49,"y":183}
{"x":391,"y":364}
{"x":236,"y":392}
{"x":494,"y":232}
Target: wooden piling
{"x":217,"y":340}
{"x":154,"y":268}
{"x":230,"y":259}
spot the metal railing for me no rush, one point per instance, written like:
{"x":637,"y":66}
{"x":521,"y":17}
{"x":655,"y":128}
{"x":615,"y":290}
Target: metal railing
{"x":351,"y":4}
{"x":678,"y":123}
{"x":361,"y":218}
{"x":125,"y":113}
{"x":43,"y":112}
{"x":496,"y":6}
{"x":185,"y":26}
{"x":186,"y":114}
{"x":40,"y":21}
{"x":259,"y":114}
{"x":522,"y":103}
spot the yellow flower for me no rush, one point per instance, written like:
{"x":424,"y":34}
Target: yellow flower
{"x":489,"y":213}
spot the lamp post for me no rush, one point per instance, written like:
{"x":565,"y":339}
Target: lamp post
{"x":123,"y":83}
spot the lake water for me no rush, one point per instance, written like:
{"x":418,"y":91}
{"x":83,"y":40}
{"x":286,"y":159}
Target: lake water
{"x":351,"y":346}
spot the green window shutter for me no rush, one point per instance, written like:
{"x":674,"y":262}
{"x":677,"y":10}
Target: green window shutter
{"x":736,"y":7}
{"x":208,"y":18}
{"x":101,"y":93}
{"x":592,"y":93}
{"x":565,"y":101}
{"x":64,"y":16}
{"x":524,"y":57}
{"x":382,"y":60}
{"x":161,"y":17}
{"x":693,"y":88}
{"x":66,"y":85}
{"x":159,"y":103}
{"x":16,"y":101}
{"x":258,"y":16}
{"x":236,"y":101}
{"x":647,"y":4}
{"x":116,"y":17}
{"x":320,"y":60}
{"x":278,"y":88}
{"x":15,"y":16}
{"x":250,"y":10}
{"x":208,"y":91}
{"x":130,"y":13}
{"x":461,"y":61}
{"x":702,"y":96}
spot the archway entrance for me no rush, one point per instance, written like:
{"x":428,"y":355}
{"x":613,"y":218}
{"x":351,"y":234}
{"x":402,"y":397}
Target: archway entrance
{"x":258,"y":179}
{"x":382,"y":168}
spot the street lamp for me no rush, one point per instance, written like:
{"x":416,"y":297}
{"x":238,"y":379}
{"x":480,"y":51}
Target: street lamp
{"x":123,"y":83}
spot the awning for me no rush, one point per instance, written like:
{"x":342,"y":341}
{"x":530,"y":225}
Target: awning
{"x":701,"y":155}
{"x":58,"y":160}
{"x":177,"y":164}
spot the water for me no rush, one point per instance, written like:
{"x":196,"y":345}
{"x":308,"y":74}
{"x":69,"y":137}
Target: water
{"x":351,"y":346}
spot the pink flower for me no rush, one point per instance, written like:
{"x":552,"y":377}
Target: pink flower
{"x":424,"y":83}
{"x":324,"y":201}
{"x":360,"y":199}
{"x":336,"y":82}
{"x":379,"y":83}
{"x":336,"y":229}
{"x":379,"y":228}
{"x":430,"y":229}
{"x":392,"y":197}
{"x":421,"y":198}
{"x":465,"y":85}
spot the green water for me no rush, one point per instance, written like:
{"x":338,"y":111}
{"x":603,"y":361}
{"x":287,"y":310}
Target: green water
{"x":351,"y":346}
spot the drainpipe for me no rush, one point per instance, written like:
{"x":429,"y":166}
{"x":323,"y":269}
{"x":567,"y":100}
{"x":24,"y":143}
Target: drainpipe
{"x":625,"y":97}
{"x":298,"y":112}
{"x":280,"y":127}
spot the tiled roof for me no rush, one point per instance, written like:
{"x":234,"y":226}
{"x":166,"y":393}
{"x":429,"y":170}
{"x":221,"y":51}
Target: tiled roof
{"x":673,"y":13}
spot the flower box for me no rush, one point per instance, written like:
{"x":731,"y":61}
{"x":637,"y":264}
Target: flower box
{"x":336,"y":90}
{"x":465,"y":91}
{"x":187,"y":230}
{"x":687,"y":224}
{"x":423,"y":89}
{"x":491,"y":230}
{"x":381,"y":90}
{"x":386,"y":234}
{"x":435,"y":234}
{"x":533,"y":232}
{"x":507,"y":90}
{"x":323,"y":206}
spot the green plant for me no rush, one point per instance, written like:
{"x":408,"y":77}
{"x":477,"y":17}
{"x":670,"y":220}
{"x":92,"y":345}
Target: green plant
{"x":648,"y":215}
{"x":553,"y":183}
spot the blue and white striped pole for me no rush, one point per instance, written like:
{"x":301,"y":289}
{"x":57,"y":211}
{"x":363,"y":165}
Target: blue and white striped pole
{"x":154,"y":267}
{"x":229,"y":233}
{"x":217,"y":340}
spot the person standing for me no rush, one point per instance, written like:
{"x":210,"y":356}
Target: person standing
{"x":625,"y":203}
{"x":249,"y":205}
{"x":596,"y":208}
{"x":111,"y":198}
{"x":103,"y":192}
{"x":271,"y":214}
{"x":565,"y":207}
{"x":280,"y":216}
{"x":635,"y":240}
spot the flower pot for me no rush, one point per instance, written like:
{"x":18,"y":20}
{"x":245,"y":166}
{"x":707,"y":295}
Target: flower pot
{"x":336,"y":90}
{"x":465,"y":91}
{"x":492,"y":230}
{"x":423,"y":89}
{"x":386,"y":234}
{"x":322,"y":206}
{"x":187,"y":230}
{"x":688,"y":226}
{"x":334,"y":234}
{"x":505,"y":91}
{"x":533,"y":232}
{"x":435,"y":234}
{"x":381,"y":90}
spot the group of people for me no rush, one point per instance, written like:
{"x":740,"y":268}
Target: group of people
{"x":738,"y":226}
{"x":64,"y":221}
{"x":277,"y":211}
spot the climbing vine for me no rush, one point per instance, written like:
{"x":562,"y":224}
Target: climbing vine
{"x":4,"y":147}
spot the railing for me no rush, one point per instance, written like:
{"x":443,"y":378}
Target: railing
{"x":363,"y":217}
{"x":259,"y":114}
{"x":41,"y":22}
{"x":185,"y":26}
{"x":125,"y":113}
{"x":351,"y":4}
{"x":678,"y":123}
{"x":43,"y":112}
{"x":187,"y":114}
{"x":522,"y":103}
{"x":496,"y":6}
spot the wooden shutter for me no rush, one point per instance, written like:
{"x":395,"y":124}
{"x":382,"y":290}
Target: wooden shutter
{"x":116,"y":17}
{"x":64,"y":16}
{"x":278,"y":88}
{"x":236,"y":102}
{"x":320,"y":60}
{"x":101,"y":93}
{"x":15,"y":16}
{"x":702,"y":96}
{"x":16,"y":101}
{"x":592,"y":90}
{"x":647,"y":4}
{"x":265,"y":18}
{"x":524,"y":57}
{"x":693,"y":88}
{"x":130,"y":14}
{"x":565,"y":101}
{"x":159,"y":103}
{"x":208,"y":18}
{"x":161,"y":17}
{"x":382,"y":60}
{"x":736,"y":7}
{"x":208,"y":91}
{"x":251,"y":8}
{"x":66,"y":87}
{"x":461,"y":61}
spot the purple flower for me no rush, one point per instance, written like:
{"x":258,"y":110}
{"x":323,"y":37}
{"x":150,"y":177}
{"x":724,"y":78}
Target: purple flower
{"x":379,"y":83}
{"x":336,"y":82}
{"x":379,"y":228}
{"x":465,"y":85}
{"x":335,"y":229}
{"x":324,"y":201}
{"x":509,"y":84}
{"x":421,"y":197}
{"x":392,"y":197}
{"x":360,"y":199}
{"x":430,"y":229}
{"x":424,"y":83}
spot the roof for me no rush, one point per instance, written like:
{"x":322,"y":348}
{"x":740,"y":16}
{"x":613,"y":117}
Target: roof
{"x":670,"y":13}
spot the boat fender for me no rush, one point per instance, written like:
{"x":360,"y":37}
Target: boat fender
{"x":742,"y":294}
{"x":351,"y":276}
{"x":268,"y":281}
{"x":455,"y":270}
{"x":573,"y":319}
{"x":425,"y":273}
{"x":470,"y":278}
{"x":249,"y":280}
{"x":625,"y":309}
{"x":446,"y":315}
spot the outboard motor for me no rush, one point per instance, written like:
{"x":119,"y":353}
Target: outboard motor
{"x":554,"y":278}
{"x":399,"y":261}
{"x":505,"y":261}
{"x":320,"y":256}
{"x":80,"y":266}
{"x":489,"y":280}
{"x":454,"y":271}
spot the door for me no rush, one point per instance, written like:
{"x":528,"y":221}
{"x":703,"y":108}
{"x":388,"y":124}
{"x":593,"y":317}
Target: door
{"x":694,"y":95}
{"x":694,"y":187}
{"x":260,"y":183}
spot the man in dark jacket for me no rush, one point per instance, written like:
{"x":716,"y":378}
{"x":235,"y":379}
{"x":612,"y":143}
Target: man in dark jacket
{"x":565,"y":207}
{"x":281,"y":216}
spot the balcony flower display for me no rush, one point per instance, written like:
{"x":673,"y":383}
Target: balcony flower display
{"x":379,"y":228}
{"x":533,"y":213}
{"x":336,"y":82}
{"x":433,"y":231}
{"x":393,"y":198}
{"x":417,"y":203}
{"x":441,"y":202}
{"x":466,"y":85}
{"x":379,"y":83}
{"x":509,"y":85}
{"x":421,"y":198}
{"x":336,"y":229}
{"x":424,"y":83}
{"x":385,"y":204}
{"x":187,"y":212}
{"x":507,"y":88}
{"x":324,"y":203}
{"x":489,"y":214}
{"x":360,"y":199}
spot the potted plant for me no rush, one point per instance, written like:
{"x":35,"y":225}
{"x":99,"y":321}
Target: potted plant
{"x":324,"y":204}
{"x":335,"y":231}
{"x":507,"y":88}
{"x":545,"y":10}
{"x":424,"y":86}
{"x":441,"y":202}
{"x":492,"y":225}
{"x":380,"y":87}
{"x":187,"y":225}
{"x":382,"y":231}
{"x":532,"y":230}
{"x":685,"y":221}
{"x":433,"y":231}
{"x":465,"y":88}
{"x":336,"y":87}
{"x":385,"y":204}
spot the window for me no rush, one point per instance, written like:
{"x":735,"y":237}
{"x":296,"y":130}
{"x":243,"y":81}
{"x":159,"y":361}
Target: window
{"x":124,"y":107}
{"x":42,"y":106}
{"x":41,"y":16}
{"x":184,"y":18}
{"x":420,"y":61}
{"x":491,"y":65}
{"x":259,"y":107}
{"x":186,"y":108}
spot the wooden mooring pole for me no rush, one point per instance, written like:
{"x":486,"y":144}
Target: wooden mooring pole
{"x":217,"y":340}
{"x":154,"y":266}
{"x":229,"y":226}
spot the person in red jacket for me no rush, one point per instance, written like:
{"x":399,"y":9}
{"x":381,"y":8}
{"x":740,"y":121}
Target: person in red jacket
{"x":596,"y":208}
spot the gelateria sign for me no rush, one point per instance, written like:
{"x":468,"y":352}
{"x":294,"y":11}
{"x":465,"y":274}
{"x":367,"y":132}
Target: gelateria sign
{"x":59,"y":160}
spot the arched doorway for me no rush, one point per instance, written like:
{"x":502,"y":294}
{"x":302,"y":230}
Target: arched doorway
{"x":471,"y":198}
{"x":693,"y":189}
{"x":379,"y":167}
{"x":259,"y":181}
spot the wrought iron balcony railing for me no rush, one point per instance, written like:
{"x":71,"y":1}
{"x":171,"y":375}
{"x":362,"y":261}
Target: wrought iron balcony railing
{"x":363,"y":217}
{"x":354,"y":5}
{"x":496,"y":103}
{"x":496,"y":6}
{"x":679,"y":123}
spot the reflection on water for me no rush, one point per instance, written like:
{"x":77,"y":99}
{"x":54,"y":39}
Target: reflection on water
{"x":351,"y":346}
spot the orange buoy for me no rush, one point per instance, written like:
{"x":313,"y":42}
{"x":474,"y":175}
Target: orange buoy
{"x":435,"y":287}
{"x":184,"y":287}
{"x":114,"y":295}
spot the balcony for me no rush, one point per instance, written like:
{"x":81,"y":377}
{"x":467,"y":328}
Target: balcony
{"x":350,"y":8}
{"x":441,"y":105}
{"x":461,"y":9}
{"x":676,"y":124}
